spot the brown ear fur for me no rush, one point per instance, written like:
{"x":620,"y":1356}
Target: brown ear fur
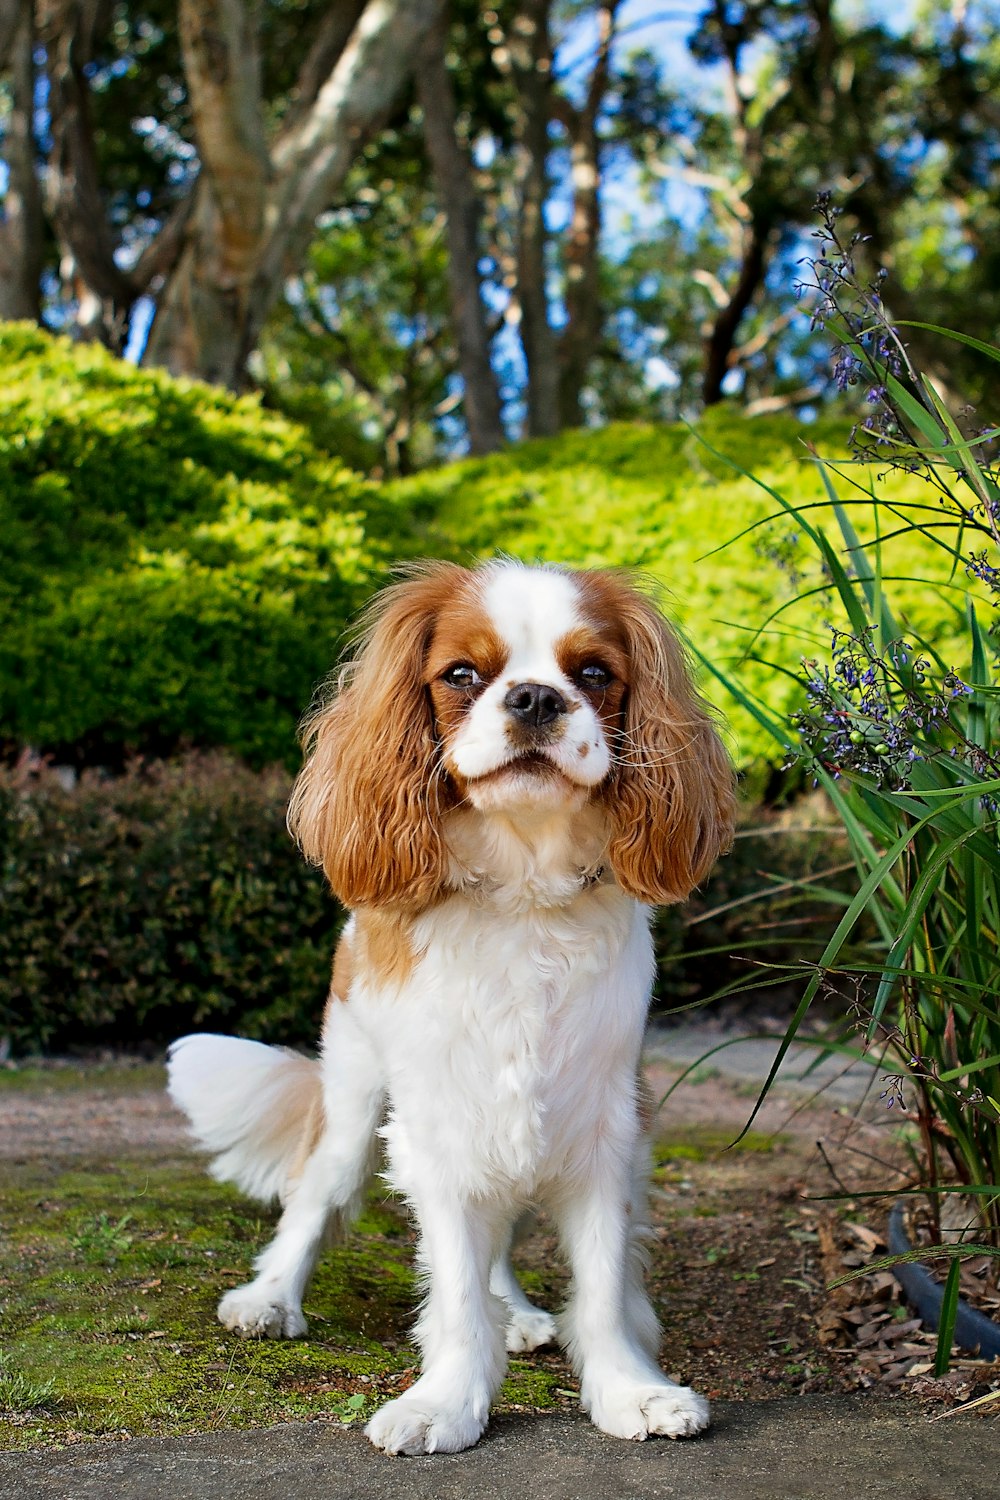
{"x":367,"y":804}
{"x":671,"y":795}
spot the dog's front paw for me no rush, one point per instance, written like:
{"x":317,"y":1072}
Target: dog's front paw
{"x":411,"y":1425}
{"x":641,"y":1411}
{"x":256,"y":1312}
{"x":530,"y":1328}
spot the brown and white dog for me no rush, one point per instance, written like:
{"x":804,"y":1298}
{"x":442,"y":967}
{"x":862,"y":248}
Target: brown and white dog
{"x":515,"y":769}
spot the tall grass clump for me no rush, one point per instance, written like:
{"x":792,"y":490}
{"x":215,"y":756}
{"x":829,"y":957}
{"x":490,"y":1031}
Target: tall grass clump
{"x":905,"y":744}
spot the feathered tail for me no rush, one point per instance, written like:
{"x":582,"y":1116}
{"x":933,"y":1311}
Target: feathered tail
{"x":255,"y":1108}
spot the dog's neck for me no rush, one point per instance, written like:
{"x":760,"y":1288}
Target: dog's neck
{"x":520,"y":860}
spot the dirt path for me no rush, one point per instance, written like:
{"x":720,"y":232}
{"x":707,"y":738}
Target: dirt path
{"x":71,"y":1110}
{"x":103,"y":1205}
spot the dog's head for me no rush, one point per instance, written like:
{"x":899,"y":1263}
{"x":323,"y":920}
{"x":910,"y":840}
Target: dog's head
{"x":520,"y":691}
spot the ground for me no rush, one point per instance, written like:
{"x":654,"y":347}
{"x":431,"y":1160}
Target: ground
{"x":115,"y":1246}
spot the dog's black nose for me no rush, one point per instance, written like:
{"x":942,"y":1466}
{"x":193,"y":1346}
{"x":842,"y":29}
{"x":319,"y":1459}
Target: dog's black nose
{"x":534,"y":705}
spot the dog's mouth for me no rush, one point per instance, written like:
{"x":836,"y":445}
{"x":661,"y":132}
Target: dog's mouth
{"x":528,"y":763}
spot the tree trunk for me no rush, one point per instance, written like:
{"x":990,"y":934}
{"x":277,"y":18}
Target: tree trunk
{"x":531,"y":59}
{"x":721,"y":342}
{"x":255,"y":210}
{"x":205,"y":304}
{"x":453,"y":179}
{"x":584,"y":321}
{"x":73,"y":192}
{"x":21,"y":225}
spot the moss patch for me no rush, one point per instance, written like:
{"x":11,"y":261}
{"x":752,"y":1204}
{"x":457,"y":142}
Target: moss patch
{"x":109,"y":1276}
{"x":109,"y":1283}
{"x":701,"y":1143}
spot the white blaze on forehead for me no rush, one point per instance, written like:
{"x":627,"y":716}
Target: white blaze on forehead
{"x":531,"y":610}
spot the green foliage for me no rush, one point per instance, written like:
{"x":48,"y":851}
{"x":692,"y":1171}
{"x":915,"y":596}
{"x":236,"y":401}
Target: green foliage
{"x":177,"y":564}
{"x":19,"y":1394}
{"x":360,"y":351}
{"x":167,"y":899}
{"x":903,"y":735}
{"x":665,"y":499}
{"x":766,"y":905}
{"x":101,"y":1240}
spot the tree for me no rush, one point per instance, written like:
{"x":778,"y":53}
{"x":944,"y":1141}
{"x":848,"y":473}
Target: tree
{"x":244,"y":156}
{"x":185,"y":151}
{"x":362,"y":346}
{"x":21,"y":222}
{"x":456,"y":191}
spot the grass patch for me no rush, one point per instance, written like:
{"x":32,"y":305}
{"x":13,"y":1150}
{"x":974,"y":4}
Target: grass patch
{"x":109,"y":1276}
{"x":70,"y":1076}
{"x":701,"y":1144}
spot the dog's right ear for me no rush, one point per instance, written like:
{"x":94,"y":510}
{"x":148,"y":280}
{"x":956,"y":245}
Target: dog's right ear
{"x":368,"y":803}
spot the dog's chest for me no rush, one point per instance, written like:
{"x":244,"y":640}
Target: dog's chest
{"x":506,"y":1033}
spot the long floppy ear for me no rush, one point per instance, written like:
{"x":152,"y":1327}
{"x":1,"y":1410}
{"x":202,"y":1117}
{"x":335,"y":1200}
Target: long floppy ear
{"x":671,"y":796}
{"x":367,"y":804}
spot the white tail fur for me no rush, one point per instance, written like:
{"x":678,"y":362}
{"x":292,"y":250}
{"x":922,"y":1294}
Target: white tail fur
{"x":250,"y":1105}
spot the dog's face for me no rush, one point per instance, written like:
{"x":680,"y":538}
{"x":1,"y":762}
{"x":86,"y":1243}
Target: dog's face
{"x":527,"y":686}
{"x":514,"y":690}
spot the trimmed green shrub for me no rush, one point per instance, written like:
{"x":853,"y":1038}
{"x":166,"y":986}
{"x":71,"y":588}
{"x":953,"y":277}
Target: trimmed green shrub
{"x":141,"y":906}
{"x":177,"y":565}
{"x":659,"y":499}
{"x":171,"y":898}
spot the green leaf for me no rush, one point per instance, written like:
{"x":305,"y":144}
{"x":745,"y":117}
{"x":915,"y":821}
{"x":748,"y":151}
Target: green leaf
{"x":946,"y":1320}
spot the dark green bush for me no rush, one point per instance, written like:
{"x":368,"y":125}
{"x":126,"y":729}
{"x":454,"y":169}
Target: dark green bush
{"x":763,"y":912}
{"x":177,"y":565}
{"x":170,"y":898}
{"x":141,"y":906}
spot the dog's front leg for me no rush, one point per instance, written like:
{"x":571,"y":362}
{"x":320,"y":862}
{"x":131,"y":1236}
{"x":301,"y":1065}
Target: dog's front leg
{"x":460,"y":1333}
{"x":621,"y":1386}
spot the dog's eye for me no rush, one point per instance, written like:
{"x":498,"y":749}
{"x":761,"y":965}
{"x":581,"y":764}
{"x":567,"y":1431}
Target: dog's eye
{"x":594,"y":677}
{"x":462,"y":675}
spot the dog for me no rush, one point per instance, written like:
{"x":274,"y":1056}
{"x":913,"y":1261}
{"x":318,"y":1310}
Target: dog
{"x":513,"y":771}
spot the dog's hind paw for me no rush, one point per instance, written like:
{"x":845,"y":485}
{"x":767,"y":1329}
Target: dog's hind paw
{"x":529,"y":1329}
{"x":255,"y":1312}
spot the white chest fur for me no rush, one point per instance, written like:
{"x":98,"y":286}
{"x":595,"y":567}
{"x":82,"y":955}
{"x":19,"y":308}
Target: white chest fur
{"x":511,"y":1038}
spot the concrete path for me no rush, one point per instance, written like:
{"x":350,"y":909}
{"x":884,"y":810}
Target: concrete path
{"x":804,"y":1072}
{"x":807,"y":1448}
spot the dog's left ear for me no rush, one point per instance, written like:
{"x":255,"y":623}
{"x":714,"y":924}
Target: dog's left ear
{"x":671,"y":797}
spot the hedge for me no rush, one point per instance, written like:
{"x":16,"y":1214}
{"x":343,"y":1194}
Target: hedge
{"x":138,"y":907}
{"x":141,"y":906}
{"x":177,"y":564}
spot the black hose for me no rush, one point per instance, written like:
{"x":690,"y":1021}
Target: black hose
{"x":973,"y":1330}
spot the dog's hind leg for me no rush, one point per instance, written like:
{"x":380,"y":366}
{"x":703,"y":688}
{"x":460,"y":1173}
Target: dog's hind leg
{"x":528,"y":1326}
{"x":325,"y":1195}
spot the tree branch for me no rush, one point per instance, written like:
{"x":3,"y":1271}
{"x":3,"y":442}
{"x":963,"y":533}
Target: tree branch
{"x":800,"y":397}
{"x":719,"y":345}
{"x":352,"y":103}
{"x":332,"y":37}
